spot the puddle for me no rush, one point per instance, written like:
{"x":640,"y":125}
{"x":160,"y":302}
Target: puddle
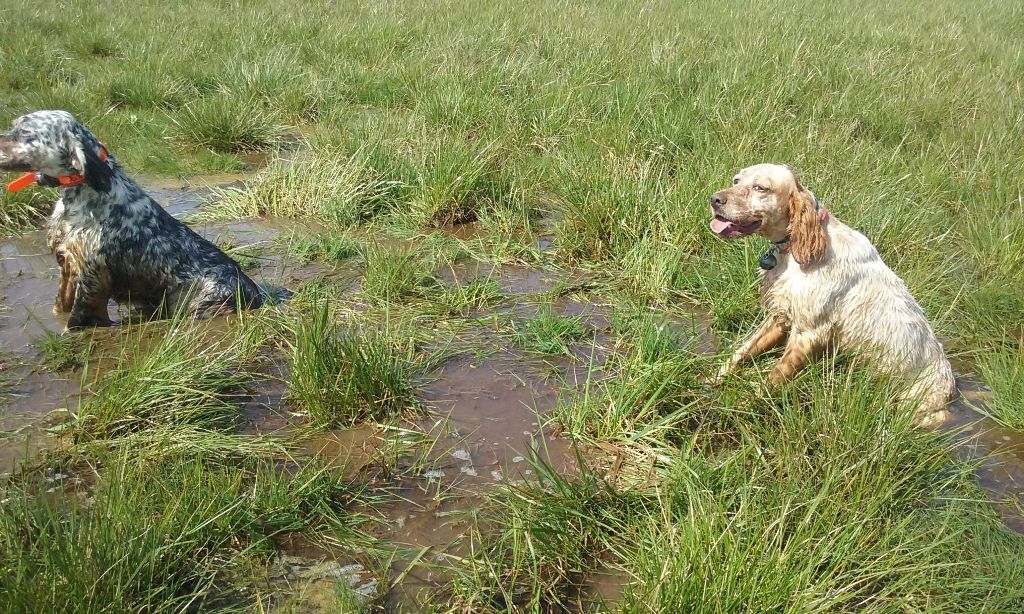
{"x":486,"y":415}
{"x":998,"y":450}
{"x":511,"y":278}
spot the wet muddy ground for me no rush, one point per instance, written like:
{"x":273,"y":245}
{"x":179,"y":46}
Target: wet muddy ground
{"x":485,"y":414}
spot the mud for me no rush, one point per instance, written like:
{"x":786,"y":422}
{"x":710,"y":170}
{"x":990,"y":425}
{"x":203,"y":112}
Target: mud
{"x":487,"y":417}
{"x":997,"y":450}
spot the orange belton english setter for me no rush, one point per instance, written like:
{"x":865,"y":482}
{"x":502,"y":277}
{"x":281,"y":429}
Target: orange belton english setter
{"x":824,"y":283}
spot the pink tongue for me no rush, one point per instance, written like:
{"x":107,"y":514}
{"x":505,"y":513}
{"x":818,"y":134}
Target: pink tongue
{"x":719,"y":226}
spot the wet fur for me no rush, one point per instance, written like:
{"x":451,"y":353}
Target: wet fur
{"x":833,"y":288}
{"x":111,"y":240}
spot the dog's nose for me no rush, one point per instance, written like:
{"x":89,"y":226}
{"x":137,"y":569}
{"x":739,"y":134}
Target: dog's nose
{"x":718,"y":199}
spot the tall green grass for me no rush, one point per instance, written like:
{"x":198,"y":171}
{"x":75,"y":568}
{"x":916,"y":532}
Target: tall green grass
{"x":821,"y":501}
{"x":184,"y":374}
{"x":342,"y":375}
{"x":157,"y":536}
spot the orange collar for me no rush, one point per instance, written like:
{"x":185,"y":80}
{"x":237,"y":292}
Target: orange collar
{"x":64,"y":181}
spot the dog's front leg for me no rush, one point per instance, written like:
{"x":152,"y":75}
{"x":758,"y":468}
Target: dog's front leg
{"x":66,"y":289}
{"x":802,"y":345}
{"x":92,"y":291}
{"x":770,"y":335}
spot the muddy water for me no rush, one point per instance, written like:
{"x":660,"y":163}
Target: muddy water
{"x":998,"y":451}
{"x":487,"y":416}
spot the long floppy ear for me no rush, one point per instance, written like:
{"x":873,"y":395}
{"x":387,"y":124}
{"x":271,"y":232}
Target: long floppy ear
{"x":86,"y":160}
{"x":806,"y":236}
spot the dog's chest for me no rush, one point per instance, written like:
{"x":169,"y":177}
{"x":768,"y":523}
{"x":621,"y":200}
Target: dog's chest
{"x":786,"y":291}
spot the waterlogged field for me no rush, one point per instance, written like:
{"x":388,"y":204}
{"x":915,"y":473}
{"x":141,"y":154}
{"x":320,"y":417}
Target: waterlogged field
{"x":486,"y":393}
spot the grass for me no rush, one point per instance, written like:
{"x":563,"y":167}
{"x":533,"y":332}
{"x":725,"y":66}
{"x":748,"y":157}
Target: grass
{"x":548,"y":332}
{"x":1003,"y":369}
{"x":159,"y":536}
{"x":329,"y":247}
{"x":582,"y":138}
{"x":827,"y":505}
{"x":323,"y":186}
{"x":394,"y":274}
{"x":19,"y":211}
{"x":184,"y":375}
{"x":342,"y":376}
{"x":64,"y":352}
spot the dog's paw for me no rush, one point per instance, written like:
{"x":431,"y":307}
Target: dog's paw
{"x":932,"y":420}
{"x":80,"y":322}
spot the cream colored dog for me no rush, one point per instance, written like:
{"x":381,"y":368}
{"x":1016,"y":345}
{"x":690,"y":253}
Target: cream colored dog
{"x":824,"y":283}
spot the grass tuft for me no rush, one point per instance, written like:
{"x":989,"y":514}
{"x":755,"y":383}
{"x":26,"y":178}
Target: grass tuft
{"x":343,"y":375}
{"x":325,"y":186}
{"x":229,"y":123}
{"x":548,"y":332}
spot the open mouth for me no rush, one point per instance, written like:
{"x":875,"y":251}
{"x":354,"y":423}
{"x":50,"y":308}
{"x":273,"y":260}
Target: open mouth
{"x":727,"y":228}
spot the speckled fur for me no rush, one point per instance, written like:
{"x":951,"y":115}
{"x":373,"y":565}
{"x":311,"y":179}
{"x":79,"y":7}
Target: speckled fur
{"x":842,"y":294}
{"x":112,"y":240}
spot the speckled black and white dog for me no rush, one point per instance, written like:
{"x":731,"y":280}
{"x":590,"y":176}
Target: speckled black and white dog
{"x":111,"y":239}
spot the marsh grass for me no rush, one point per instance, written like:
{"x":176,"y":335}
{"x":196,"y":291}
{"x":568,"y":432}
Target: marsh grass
{"x":65,"y":352}
{"x":465,"y":297}
{"x":183,"y":375}
{"x":326,"y":186}
{"x":1003,"y":370}
{"x":327,"y":246}
{"x":158,"y":535}
{"x":827,"y":505}
{"x":394,"y":273}
{"x":20,"y":211}
{"x":342,"y":375}
{"x":605,"y":127}
{"x":549,"y":332}
{"x":229,"y":123}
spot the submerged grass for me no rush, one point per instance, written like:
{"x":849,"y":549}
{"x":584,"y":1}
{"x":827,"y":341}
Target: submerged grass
{"x":549,"y":332}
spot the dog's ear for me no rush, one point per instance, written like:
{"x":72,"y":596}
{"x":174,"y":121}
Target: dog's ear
{"x":806,"y":236}
{"x":86,"y":160}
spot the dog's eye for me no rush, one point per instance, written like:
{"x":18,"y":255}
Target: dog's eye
{"x":760,"y":188}
{"x":736,"y":180}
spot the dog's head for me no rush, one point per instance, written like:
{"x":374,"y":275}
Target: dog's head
{"x":54,"y":144}
{"x":768,"y":200}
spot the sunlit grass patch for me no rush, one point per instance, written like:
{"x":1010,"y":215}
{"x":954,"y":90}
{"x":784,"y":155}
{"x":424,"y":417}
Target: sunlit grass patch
{"x":231,"y":123}
{"x":343,"y":374}
{"x":160,"y":535}
{"x":464,"y":297}
{"x":549,"y":332}
{"x":20,"y":211}
{"x":182,"y":375}
{"x":394,"y":273}
{"x":64,"y":352}
{"x":326,"y":186}
{"x":326,"y":246}
{"x":1002,"y":368}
